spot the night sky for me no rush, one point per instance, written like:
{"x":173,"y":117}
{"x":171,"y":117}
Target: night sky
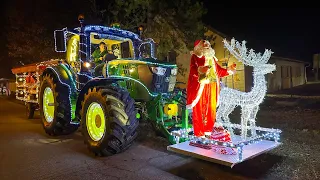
{"x":288,"y":32}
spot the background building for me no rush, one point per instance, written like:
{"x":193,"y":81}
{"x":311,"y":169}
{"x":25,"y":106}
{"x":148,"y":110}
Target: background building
{"x":289,"y":72}
{"x":316,"y":67}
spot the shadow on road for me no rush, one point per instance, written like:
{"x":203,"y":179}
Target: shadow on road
{"x":251,"y":169}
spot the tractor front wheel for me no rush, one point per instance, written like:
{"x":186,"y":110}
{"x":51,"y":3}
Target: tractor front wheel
{"x":108,"y":120}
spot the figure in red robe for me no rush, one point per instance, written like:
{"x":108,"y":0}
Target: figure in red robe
{"x":204,"y":86}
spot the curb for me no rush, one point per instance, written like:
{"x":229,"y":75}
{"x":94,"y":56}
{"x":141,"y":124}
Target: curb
{"x":292,"y":96}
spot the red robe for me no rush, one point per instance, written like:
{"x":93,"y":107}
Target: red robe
{"x":203,"y":107}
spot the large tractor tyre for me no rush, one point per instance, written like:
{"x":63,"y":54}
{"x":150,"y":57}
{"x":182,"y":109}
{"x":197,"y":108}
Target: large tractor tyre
{"x":30,"y":108}
{"x":55,"y":107}
{"x":108,"y":120}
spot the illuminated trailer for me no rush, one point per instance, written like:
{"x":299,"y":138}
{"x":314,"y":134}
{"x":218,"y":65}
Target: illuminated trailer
{"x":28,"y":84}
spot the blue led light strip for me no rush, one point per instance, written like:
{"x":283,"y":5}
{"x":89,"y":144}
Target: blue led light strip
{"x":111,"y":30}
{"x":70,"y":75}
{"x":69,"y":88}
{"x":151,"y":42}
{"x":90,"y":77}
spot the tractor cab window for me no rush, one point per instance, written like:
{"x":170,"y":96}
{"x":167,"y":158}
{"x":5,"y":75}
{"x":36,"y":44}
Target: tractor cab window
{"x":119,"y":48}
{"x":145,"y":50}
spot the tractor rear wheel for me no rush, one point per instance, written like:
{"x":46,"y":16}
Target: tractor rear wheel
{"x":108,"y":120}
{"x":55,"y":107}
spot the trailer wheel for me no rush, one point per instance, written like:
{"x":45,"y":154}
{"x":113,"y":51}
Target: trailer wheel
{"x":30,"y":108}
{"x":55,"y":107}
{"x":108,"y":120}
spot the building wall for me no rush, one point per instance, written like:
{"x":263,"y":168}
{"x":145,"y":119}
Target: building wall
{"x":236,"y":81}
{"x":316,"y":66}
{"x":288,"y":74}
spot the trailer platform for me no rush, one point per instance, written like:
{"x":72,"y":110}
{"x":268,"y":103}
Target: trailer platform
{"x":248,"y":151}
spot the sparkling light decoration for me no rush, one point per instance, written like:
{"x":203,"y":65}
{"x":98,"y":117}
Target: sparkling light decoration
{"x":269,"y":134}
{"x":230,"y":98}
{"x":249,"y":101}
{"x":111,"y":30}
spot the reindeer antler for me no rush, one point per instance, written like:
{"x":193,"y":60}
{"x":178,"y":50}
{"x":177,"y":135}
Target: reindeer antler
{"x":239,"y":51}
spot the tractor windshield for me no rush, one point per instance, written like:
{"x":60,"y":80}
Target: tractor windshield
{"x":119,"y":47}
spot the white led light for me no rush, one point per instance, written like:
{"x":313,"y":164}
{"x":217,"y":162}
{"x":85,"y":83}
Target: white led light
{"x":159,"y":70}
{"x":174,"y":71}
{"x":86,"y":64}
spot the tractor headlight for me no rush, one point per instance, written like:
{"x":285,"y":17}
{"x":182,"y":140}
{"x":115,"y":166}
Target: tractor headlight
{"x":87,"y":64}
{"x":174,"y":71}
{"x":159,"y":70}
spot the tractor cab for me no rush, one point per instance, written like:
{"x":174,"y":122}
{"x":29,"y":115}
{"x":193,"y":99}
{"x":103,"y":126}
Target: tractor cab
{"x":134,"y":59}
{"x":121,"y":48}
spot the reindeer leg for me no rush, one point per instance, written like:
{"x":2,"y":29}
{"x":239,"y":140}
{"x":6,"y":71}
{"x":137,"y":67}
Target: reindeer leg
{"x":219,"y":118}
{"x":253,"y":120}
{"x":244,"y":121}
{"x":226,"y":114}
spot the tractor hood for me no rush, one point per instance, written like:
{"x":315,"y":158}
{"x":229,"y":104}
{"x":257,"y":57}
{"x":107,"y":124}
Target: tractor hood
{"x":157,"y":76}
{"x":149,"y":61}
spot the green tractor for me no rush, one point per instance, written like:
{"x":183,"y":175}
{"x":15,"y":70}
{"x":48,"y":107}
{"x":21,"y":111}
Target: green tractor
{"x":108,"y":100}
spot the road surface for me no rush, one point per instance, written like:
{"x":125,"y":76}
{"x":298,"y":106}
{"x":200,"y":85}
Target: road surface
{"x":26,"y":152}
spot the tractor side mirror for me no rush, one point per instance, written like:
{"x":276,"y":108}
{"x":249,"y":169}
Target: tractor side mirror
{"x":60,"y":41}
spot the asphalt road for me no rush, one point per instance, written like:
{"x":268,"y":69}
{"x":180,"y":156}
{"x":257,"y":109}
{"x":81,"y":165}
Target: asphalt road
{"x":26,"y":152}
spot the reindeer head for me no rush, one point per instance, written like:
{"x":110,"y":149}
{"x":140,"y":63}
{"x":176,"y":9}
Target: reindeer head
{"x":264,"y":69}
{"x":250,"y":58}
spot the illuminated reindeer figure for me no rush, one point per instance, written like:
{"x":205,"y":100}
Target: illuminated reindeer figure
{"x":249,"y":101}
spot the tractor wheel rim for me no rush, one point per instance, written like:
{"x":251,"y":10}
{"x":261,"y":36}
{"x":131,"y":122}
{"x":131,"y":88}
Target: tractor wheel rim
{"x":48,"y":104}
{"x":95,"y":121}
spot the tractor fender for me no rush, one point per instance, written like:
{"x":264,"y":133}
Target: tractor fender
{"x":64,"y":76}
{"x":90,"y":84}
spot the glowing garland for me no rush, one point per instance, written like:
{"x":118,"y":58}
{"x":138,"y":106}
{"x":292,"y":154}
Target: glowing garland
{"x":270,"y":134}
{"x":113,"y":31}
{"x":69,"y":91}
{"x":249,"y":101}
